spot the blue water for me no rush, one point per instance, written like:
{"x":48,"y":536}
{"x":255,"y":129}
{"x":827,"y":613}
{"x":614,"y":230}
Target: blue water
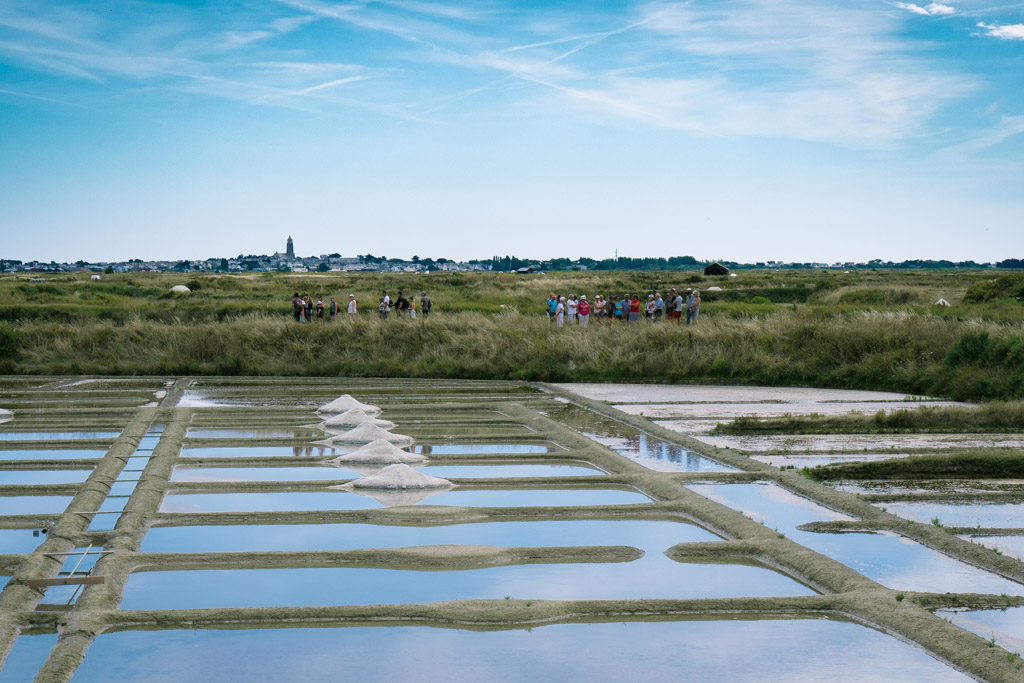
{"x":887,"y":558}
{"x":502,"y":471}
{"x":726,"y":650}
{"x":652,"y":576}
{"x":650,"y":536}
{"x":27,"y":656}
{"x":479,"y":448}
{"x":345,"y":500}
{"x":248,"y":433}
{"x":1006,"y":626}
{"x":33,"y":505}
{"x":50,"y":454}
{"x":260,"y":452}
{"x":51,"y":436}
{"x":994,"y":515}
{"x":19,"y":540}
{"x":28,"y":477}
{"x":237,"y":474}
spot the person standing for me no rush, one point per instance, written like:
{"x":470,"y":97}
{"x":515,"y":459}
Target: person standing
{"x":617,"y":308}
{"x":351,"y":306}
{"x":401,"y":304}
{"x":319,"y":309}
{"x":385,"y":305}
{"x":692,"y":306}
{"x":583,"y":311}
{"x":649,"y":307}
{"x":308,"y":308}
{"x":570,"y":308}
{"x":412,"y":308}
{"x":425,"y":304}
{"x":550,"y":305}
{"x":560,"y":312}
{"x":677,"y":306}
{"x":332,"y":310}
{"x":659,"y":306}
{"x":634,"y":309}
{"x":297,"y":305}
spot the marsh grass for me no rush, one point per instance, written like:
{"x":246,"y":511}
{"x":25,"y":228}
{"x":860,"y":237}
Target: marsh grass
{"x":990,"y":417}
{"x":992,"y":463}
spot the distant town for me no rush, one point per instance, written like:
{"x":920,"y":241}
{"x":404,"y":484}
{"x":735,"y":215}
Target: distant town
{"x":288,"y":262}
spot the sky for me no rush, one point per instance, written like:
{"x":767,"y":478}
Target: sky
{"x":745,"y":130}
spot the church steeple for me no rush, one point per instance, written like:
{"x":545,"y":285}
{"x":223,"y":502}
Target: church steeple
{"x":289,"y":250}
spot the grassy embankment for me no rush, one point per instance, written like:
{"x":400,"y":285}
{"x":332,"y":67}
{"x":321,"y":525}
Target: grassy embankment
{"x":990,"y":417}
{"x":805,"y":328}
{"x":992,"y":463}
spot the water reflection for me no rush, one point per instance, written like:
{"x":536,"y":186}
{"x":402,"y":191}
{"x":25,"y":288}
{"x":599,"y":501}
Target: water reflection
{"x":27,"y":656}
{"x":786,"y":650}
{"x":649,"y":451}
{"x":260,"y":451}
{"x":887,"y":558}
{"x":1005,"y":626}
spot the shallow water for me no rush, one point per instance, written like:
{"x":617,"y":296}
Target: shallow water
{"x":887,"y":558}
{"x":20,"y":540}
{"x":652,"y":576}
{"x":996,"y":515}
{"x":33,"y":505}
{"x":479,"y":448}
{"x":502,"y":471}
{"x":261,"y":452}
{"x":50,"y":454}
{"x":649,"y":536}
{"x":201,"y":433}
{"x":786,"y":650}
{"x":27,"y":656}
{"x":1006,"y":626}
{"x":345,"y":500}
{"x":649,"y":451}
{"x":52,"y":436}
{"x":236,"y":474}
{"x":29,"y":477}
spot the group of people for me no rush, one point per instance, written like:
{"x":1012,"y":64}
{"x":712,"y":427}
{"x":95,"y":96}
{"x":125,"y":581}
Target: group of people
{"x":305,"y":310}
{"x":402,"y":306}
{"x":626,"y":308}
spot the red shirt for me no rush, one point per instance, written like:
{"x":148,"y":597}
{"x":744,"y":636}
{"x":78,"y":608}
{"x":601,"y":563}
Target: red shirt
{"x":634,"y":306}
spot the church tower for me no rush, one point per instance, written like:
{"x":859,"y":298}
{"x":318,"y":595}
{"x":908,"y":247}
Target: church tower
{"x":289,"y":250}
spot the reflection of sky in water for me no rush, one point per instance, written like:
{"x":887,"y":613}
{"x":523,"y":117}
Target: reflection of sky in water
{"x":345,"y":500}
{"x":649,"y":536}
{"x":27,"y":477}
{"x":649,"y":451}
{"x":248,"y":433}
{"x":214,"y":474}
{"x":1005,"y":625}
{"x":498,"y":471}
{"x":1008,"y":545}
{"x":890,"y":559}
{"x":33,"y":505}
{"x":49,"y":436}
{"x":42,"y":454}
{"x":20,"y":540}
{"x":997,"y":515}
{"x":786,"y":650}
{"x":260,"y":451}
{"x":652,"y":576}
{"x":27,"y":656}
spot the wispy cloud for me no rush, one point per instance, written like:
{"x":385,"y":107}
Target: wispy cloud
{"x":1008,"y":126}
{"x":35,"y":97}
{"x":1004,"y":31}
{"x":929,"y":10}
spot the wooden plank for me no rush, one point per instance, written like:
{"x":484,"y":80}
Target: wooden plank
{"x":64,"y":581}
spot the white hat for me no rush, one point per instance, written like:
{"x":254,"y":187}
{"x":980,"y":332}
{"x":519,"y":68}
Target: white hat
{"x":583,"y":296}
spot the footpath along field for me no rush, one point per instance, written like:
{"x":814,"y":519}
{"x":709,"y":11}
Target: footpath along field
{"x":864,"y":329}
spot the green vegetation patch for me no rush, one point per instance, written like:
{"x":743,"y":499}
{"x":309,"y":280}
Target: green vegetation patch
{"x":990,"y":463}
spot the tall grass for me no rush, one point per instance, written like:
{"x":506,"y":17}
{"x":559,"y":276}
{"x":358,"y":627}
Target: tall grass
{"x":907,"y":352}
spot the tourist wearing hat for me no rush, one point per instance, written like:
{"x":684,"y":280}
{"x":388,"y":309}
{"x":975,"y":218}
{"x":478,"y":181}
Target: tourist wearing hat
{"x":649,"y":307}
{"x":570,"y":309}
{"x":351,"y":306}
{"x":583,"y":310}
{"x":659,"y":306}
{"x":692,"y":305}
{"x":560,"y":312}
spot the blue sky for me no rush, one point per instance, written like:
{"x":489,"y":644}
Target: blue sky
{"x":739,"y":129}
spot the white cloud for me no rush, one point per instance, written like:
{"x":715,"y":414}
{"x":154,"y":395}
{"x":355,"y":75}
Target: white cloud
{"x":930,"y":10}
{"x":1008,"y":127}
{"x":1006,"y":31}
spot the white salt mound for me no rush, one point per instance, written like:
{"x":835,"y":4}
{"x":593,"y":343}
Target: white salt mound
{"x":180,"y":289}
{"x":6,"y":415}
{"x":344,"y":403}
{"x":365,"y":433}
{"x":379,"y":452}
{"x":352,"y":418}
{"x":400,"y":477}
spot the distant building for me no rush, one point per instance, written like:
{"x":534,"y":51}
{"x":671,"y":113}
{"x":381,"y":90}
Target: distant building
{"x":716,"y":269}
{"x":289,"y":250}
